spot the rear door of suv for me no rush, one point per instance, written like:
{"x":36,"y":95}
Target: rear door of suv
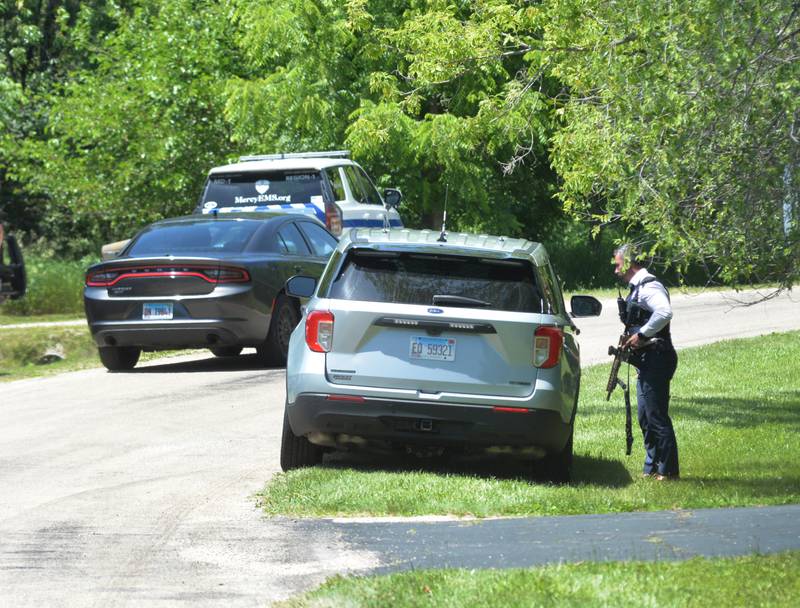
{"x":434,"y":323}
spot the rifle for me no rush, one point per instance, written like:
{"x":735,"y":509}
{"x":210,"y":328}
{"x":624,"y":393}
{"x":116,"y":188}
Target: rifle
{"x":621,"y":355}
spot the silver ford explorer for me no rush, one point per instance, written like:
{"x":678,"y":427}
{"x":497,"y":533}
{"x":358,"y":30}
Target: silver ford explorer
{"x":424,"y":341}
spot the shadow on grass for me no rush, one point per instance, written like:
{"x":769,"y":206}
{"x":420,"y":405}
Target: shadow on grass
{"x":782,"y":408}
{"x":739,"y":413}
{"x":587,"y":470}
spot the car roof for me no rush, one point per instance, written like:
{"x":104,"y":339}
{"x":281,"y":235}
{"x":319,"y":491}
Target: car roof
{"x":250,"y":166}
{"x":456,"y":243}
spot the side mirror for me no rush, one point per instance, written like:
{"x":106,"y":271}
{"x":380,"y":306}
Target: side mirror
{"x":301,"y":287}
{"x":585,"y":306}
{"x":392,"y":197}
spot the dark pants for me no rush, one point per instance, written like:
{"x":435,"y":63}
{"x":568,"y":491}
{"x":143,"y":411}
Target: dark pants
{"x":652,"y":393}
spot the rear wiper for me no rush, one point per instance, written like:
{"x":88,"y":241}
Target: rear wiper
{"x":444,"y":300}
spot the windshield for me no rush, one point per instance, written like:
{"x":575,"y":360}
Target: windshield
{"x":428,"y":279}
{"x":264,"y":188}
{"x":194,"y":238}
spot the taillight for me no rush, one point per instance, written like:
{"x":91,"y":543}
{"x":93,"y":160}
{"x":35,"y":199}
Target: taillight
{"x":103,"y":278}
{"x":547,"y":346}
{"x":227,"y":274}
{"x":319,"y":330}
{"x":333,"y":218}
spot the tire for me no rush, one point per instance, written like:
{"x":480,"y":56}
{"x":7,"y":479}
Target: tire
{"x":558,"y":467}
{"x":284,"y":319}
{"x":119,"y":358}
{"x":225,"y":351}
{"x":297,"y":452}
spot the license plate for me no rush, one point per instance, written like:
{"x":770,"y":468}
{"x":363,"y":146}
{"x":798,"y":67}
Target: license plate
{"x":153,"y":311}
{"x":434,"y":349}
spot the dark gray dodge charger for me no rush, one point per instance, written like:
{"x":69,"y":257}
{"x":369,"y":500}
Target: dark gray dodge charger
{"x":204,"y":282}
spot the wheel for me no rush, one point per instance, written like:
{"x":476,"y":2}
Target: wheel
{"x":297,"y":452}
{"x":558,"y":467}
{"x":119,"y":358}
{"x":284,"y":319}
{"x":225,"y":351}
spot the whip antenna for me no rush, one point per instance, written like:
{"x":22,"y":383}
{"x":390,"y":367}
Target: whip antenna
{"x":443,"y":235}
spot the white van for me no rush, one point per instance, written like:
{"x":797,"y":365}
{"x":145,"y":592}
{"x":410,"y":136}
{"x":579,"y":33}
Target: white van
{"x":327,"y":185}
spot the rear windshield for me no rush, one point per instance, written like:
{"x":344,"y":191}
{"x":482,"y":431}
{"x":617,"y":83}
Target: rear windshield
{"x":406,"y":278}
{"x":268,"y":188}
{"x":198,"y":237}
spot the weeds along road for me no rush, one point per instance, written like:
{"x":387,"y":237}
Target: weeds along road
{"x":134,"y":488}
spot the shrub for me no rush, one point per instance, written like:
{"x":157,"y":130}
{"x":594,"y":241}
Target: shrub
{"x":54,"y":286}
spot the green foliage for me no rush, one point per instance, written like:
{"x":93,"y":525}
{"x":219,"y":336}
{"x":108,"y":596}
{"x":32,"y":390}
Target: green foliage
{"x":55,"y":286}
{"x":329,"y":74}
{"x":40,"y":42}
{"x":672,"y":124}
{"x":132,"y":136}
{"x":681,"y":123}
{"x":22,"y":351}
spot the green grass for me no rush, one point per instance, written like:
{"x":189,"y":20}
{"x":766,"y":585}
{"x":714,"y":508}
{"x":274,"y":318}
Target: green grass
{"x":21,"y":349}
{"x":736,"y":410}
{"x":757,"y":580}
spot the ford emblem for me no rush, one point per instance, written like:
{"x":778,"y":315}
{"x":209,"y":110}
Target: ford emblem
{"x":435,"y":311}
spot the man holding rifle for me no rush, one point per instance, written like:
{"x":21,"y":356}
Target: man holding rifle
{"x":647,"y":318}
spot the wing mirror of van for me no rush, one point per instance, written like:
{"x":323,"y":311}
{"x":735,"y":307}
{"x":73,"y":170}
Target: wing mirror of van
{"x":300,"y":286}
{"x":392,"y":197}
{"x":585,"y":306}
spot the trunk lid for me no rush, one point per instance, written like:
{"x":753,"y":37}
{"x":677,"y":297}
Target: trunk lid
{"x":454,"y":350}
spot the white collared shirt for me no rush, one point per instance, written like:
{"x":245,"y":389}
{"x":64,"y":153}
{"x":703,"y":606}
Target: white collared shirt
{"x":653,"y":297}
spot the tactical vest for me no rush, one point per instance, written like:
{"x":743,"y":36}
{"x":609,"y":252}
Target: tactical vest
{"x":637,"y":316}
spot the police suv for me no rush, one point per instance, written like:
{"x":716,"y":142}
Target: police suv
{"x":326,"y":185}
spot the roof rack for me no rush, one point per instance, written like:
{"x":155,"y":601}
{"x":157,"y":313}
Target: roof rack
{"x":329,"y":154}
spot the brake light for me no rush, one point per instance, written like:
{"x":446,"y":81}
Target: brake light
{"x":227,"y":274}
{"x":101,"y":279}
{"x":212,"y":274}
{"x":333,"y":218}
{"x":547,"y":343}
{"x":319,"y":330}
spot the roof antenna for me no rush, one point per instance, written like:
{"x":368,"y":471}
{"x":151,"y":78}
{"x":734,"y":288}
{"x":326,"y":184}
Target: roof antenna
{"x":386,"y":224}
{"x":443,"y":236}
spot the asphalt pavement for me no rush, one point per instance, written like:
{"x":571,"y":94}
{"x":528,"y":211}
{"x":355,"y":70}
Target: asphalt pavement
{"x":534,"y":541}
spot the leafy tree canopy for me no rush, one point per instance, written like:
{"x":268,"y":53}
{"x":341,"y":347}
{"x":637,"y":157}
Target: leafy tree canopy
{"x":131,"y":136}
{"x":677,"y":120}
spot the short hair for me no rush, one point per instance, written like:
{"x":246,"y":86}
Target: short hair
{"x":630,"y":253}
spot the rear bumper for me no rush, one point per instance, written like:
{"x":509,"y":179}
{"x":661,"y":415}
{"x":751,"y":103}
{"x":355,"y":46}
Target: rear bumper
{"x":203,"y":334}
{"x":231,"y":318}
{"x":425,"y":423}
